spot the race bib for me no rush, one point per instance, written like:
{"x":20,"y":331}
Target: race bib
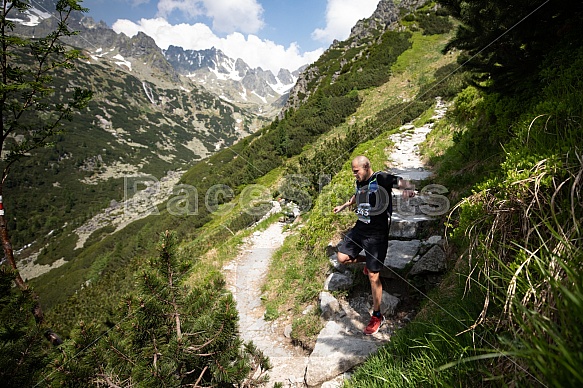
{"x":363,"y":208}
{"x":363,"y":212}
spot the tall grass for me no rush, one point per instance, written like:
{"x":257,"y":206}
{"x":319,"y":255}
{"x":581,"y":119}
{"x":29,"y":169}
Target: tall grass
{"x":531,"y":260}
{"x":522,"y":227}
{"x":524,"y":234}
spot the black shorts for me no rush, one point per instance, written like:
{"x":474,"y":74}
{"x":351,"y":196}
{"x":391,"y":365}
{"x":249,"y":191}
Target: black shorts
{"x":375,"y":248}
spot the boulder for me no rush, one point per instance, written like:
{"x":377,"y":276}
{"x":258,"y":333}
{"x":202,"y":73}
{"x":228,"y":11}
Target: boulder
{"x":407,"y":226}
{"x":389,"y":304}
{"x":434,"y":240}
{"x":329,"y":305}
{"x":287,"y":331}
{"x":403,"y":228}
{"x":338,"y":281}
{"x":431,"y":262}
{"x":401,"y":253}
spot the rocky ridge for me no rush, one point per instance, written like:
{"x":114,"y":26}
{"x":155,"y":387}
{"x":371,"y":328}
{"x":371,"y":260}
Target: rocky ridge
{"x":214,"y":69}
{"x":385,"y":17}
{"x":231,"y":79}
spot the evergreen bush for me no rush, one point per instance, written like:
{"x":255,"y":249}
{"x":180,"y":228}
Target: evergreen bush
{"x":164,"y":335}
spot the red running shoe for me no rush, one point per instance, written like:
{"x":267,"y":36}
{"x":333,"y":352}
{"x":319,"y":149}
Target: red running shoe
{"x":374,"y":325}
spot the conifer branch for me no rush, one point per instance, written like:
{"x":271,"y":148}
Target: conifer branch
{"x":108,"y":381}
{"x":119,"y":353}
{"x":199,"y":347}
{"x":200,"y":377}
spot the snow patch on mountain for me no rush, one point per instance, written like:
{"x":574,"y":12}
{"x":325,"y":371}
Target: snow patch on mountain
{"x":121,"y":61}
{"x":260,"y":97}
{"x":149,"y":93}
{"x":213,"y":66}
{"x":282,"y":88}
{"x":31,"y":17}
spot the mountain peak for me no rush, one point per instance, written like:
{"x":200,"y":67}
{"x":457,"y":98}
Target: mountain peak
{"x":232,"y":78}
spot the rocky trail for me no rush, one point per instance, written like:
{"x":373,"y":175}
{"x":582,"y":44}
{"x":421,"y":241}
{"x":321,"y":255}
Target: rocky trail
{"x":341,"y":345}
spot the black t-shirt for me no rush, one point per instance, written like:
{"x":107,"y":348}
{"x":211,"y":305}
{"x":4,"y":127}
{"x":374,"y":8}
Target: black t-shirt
{"x":374,"y":203}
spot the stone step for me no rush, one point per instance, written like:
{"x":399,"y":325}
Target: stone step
{"x":338,"y":350}
{"x":407,"y":226}
{"x":416,"y":257}
{"x":412,"y":174}
{"x":400,"y":254}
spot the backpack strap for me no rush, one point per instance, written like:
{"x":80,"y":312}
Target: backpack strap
{"x":374,"y":179}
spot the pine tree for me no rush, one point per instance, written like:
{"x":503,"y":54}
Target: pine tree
{"x":167,"y":335}
{"x":30,"y":114}
{"x":506,"y":40}
{"x":22,"y":346}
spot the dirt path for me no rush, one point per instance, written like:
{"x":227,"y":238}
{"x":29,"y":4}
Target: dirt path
{"x":245,"y":276}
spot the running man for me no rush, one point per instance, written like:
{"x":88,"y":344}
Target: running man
{"x":374,"y":205}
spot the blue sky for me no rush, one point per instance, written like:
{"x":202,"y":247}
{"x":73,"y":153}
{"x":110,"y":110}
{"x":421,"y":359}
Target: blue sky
{"x":271,"y":34}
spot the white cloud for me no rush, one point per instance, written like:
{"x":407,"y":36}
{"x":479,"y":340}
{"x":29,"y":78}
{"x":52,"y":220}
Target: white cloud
{"x":341,"y":16}
{"x":227,"y":15}
{"x":253,"y":50}
{"x":193,"y":36}
{"x":265,"y":53}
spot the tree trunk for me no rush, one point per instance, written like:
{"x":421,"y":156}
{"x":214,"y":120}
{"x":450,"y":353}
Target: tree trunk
{"x":9,"y":256}
{"x":8,"y":252}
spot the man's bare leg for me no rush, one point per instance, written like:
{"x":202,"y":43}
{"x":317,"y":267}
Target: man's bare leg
{"x":343,"y":258}
{"x":376,"y":287}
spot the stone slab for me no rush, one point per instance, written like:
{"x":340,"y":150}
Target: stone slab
{"x":337,"y":351}
{"x":338,"y":282}
{"x":432,"y":262}
{"x":401,"y":253}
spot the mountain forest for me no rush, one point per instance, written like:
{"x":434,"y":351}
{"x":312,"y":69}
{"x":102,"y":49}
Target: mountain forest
{"x":139,"y":299}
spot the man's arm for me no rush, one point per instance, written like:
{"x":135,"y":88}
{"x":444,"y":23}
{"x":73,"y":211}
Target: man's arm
{"x":408,"y":188}
{"x":350,"y":202}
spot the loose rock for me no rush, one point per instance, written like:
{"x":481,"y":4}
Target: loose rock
{"x":338,"y":281}
{"x":433,"y":262}
{"x":329,"y":305}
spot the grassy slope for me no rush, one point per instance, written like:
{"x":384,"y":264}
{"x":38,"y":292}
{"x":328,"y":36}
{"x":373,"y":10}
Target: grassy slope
{"x":509,"y":311}
{"x":299,"y":267}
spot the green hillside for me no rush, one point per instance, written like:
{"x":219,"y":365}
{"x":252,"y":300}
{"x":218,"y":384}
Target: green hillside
{"x":509,"y":310}
{"x":130,"y":128}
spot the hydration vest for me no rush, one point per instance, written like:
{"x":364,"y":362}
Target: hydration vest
{"x":364,"y":207}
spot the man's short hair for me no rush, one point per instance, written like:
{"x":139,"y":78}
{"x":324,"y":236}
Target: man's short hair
{"x":361,"y":161}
